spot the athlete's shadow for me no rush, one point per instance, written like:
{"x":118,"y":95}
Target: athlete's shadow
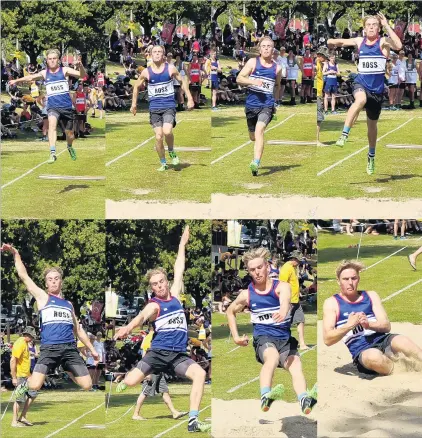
{"x":299,"y":426}
{"x":182,"y":166}
{"x":350,"y":370}
{"x":74,"y":187}
{"x":274,"y":169}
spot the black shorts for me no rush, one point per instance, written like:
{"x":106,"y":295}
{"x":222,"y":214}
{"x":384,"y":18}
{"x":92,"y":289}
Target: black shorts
{"x":381,"y":345}
{"x":393,"y":85}
{"x":285,"y":348}
{"x":255,"y":115}
{"x":66,"y":115}
{"x":195,"y":86}
{"x":373,"y":102}
{"x":283,"y":81}
{"x":66,"y":355}
{"x":402,"y":86}
{"x":297,"y":314}
{"x":161,"y":361}
{"x":158,"y":117}
{"x":307,"y":81}
{"x":81,"y":117}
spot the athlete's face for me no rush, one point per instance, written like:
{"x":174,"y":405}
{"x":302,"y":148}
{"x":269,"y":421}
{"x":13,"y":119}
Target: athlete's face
{"x":348,"y":281}
{"x":53,"y":283}
{"x":258,"y":270}
{"x":266,"y":49}
{"x":307,"y":53}
{"x":52,"y":61}
{"x":159,"y":285}
{"x":157,"y":54}
{"x":372,"y":27}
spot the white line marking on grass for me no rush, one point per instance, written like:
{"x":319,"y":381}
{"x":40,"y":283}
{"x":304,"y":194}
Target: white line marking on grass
{"x":404,"y":146}
{"x":121,"y":416}
{"x":234,"y":349}
{"x":401,"y":290}
{"x":177,"y":425}
{"x":235,"y":388}
{"x":250,"y":141}
{"x":133,"y":149}
{"x":362,"y":149}
{"x":28,"y":172}
{"x":74,"y":421}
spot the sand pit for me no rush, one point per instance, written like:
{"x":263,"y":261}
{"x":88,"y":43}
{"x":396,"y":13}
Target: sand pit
{"x":356,"y":405}
{"x":244,"y":418}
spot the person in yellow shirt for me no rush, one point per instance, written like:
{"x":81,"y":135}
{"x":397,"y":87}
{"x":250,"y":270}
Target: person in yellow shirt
{"x":154,"y":384}
{"x":322,"y":57}
{"x":20,"y":368}
{"x":288,"y":274}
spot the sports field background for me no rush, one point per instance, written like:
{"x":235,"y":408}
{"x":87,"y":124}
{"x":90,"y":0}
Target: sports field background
{"x":385,"y":278}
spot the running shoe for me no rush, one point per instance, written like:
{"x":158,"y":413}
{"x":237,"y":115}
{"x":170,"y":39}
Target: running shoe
{"x":174,"y":158}
{"x":370,"y":167}
{"x":341,"y":141}
{"x":72,"y":152}
{"x":198,"y":426}
{"x":214,"y":108}
{"x":21,"y":390}
{"x":306,"y":404}
{"x":52,"y":158}
{"x":163,"y":168}
{"x":254,"y":168}
{"x":121,"y":386}
{"x":267,"y":399}
{"x":334,"y":113}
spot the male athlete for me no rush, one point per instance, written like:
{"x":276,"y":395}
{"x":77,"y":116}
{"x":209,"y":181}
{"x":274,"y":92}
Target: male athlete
{"x":168,"y":347}
{"x":262,"y":76}
{"x":368,"y":87}
{"x":308,"y":75}
{"x":162,"y":105}
{"x":59,"y":102}
{"x":269,"y":303}
{"x":59,"y":328}
{"x":412,"y":257}
{"x":358,"y":318}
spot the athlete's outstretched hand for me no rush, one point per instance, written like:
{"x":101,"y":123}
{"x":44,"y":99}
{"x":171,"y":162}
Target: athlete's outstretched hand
{"x":6,"y":247}
{"x":12,"y":82}
{"x":242,"y":341}
{"x":122,"y":332}
{"x":185,"y":236}
{"x":133,"y":109}
{"x":191,"y":104}
{"x":384,"y":21}
{"x":353,"y":319}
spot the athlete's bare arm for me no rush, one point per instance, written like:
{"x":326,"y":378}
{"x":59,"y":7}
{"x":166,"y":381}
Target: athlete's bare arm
{"x":29,"y":78}
{"x":382,"y":323}
{"x":179,"y":265}
{"x":277,"y":81}
{"x":77,"y":72}
{"x":143,"y":78}
{"x":80,"y":334}
{"x":392,"y":41}
{"x":284,"y":291}
{"x":243,"y":76}
{"x":344,"y":42}
{"x":174,"y":73}
{"x":40,"y":295}
{"x":331,"y":334}
{"x":235,"y":307}
{"x":148,"y":313}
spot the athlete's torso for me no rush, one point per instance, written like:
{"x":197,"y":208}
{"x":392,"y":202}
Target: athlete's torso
{"x":292,"y":68}
{"x":57,"y":88}
{"x":262,"y":96}
{"x":80,"y":101}
{"x":308,"y":67}
{"x":160,"y":89}
{"x":411,"y":72}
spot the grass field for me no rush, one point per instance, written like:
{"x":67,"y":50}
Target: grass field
{"x":387,"y":277}
{"x":342,"y":171}
{"x":159,"y":419}
{"x":54,"y":410}
{"x":236,"y":366}
{"x":25,"y":195}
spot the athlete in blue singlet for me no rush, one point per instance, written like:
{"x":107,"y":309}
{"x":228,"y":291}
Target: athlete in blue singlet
{"x":58,"y":326}
{"x":269,"y":304}
{"x":162,"y":105}
{"x":215,"y":69}
{"x":169,"y":344}
{"x":368,"y":88}
{"x":262,"y":76}
{"x":358,"y":318}
{"x":330,"y":71}
{"x":59,"y":102}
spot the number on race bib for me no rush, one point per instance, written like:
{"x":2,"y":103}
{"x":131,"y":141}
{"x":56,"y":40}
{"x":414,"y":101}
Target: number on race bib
{"x":358,"y":329}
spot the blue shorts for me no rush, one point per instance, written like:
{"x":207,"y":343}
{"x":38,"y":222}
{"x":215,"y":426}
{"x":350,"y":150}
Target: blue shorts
{"x":331,"y":89}
{"x":214,"y":85}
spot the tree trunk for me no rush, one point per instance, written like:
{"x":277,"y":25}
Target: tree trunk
{"x":198,"y":29}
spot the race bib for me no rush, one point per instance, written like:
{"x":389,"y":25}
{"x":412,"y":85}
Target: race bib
{"x":58,"y":87}
{"x":161,"y":90}
{"x":368,"y":65}
{"x":267,"y":86}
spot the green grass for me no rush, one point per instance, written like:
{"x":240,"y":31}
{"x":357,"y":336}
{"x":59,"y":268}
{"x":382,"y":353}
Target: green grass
{"x":385,"y":278}
{"x":32,"y":197}
{"x":155,"y":411}
{"x":397,"y":174}
{"x":54,"y":409}
{"x":234,"y":368}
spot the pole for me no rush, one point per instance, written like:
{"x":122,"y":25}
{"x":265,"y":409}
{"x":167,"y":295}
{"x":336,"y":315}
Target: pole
{"x":131,"y":20}
{"x":360,"y":241}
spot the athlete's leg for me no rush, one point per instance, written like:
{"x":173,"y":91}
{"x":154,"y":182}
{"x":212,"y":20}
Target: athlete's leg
{"x":134,"y":377}
{"x":169,"y":136}
{"x":15,"y":413}
{"x":214,"y":98}
{"x":293,"y":365}
{"x":169,"y":404}
{"x":293,"y":90}
{"x":356,"y":108}
{"x":301,"y":333}
{"x":85,"y":382}
{"x":333,"y":102}
{"x":326,"y":96}
{"x":52,"y":133}
{"x":282,"y":88}
{"x":25,"y":409}
{"x":402,"y":344}
{"x":372,"y":133}
{"x":271,"y":359}
{"x":159,"y":142}
{"x":259,"y":140}
{"x":373,"y":359}
{"x":36,"y":380}
{"x":412,"y":95}
{"x":197,"y":375}
{"x":414,"y":256}
{"x":142,"y":397}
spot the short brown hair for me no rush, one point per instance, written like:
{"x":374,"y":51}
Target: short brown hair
{"x":256,"y":253}
{"x":54,"y":51}
{"x":53,"y":269}
{"x":365,"y":19}
{"x":349,"y":264}
{"x":155,"y":271}
{"x":265,"y":38}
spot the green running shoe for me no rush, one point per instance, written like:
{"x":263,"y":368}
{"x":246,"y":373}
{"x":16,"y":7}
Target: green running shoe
{"x":308,"y":402}
{"x":163,"y":168}
{"x":341,"y":141}
{"x":370,"y":167}
{"x":72,"y":152}
{"x":52,"y":158}
{"x":21,"y":390}
{"x":174,"y":158}
{"x":198,"y":426}
{"x":275,"y":394}
{"x":254,"y":168}
{"x":121,"y":386}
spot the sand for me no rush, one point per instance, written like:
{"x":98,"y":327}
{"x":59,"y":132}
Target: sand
{"x":244,"y":418}
{"x":353,"y":405}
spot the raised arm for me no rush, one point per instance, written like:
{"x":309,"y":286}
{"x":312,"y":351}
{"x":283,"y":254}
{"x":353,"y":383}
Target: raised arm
{"x":29,"y":78}
{"x":179,"y":265}
{"x":143,"y":77}
{"x":40,"y":295}
{"x":284,"y":291}
{"x":277,"y":81}
{"x":174,"y":73}
{"x":77,"y":72}
{"x":344,"y":42}
{"x":392,"y":40}
{"x":148,"y":312}
{"x":235,"y":307}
